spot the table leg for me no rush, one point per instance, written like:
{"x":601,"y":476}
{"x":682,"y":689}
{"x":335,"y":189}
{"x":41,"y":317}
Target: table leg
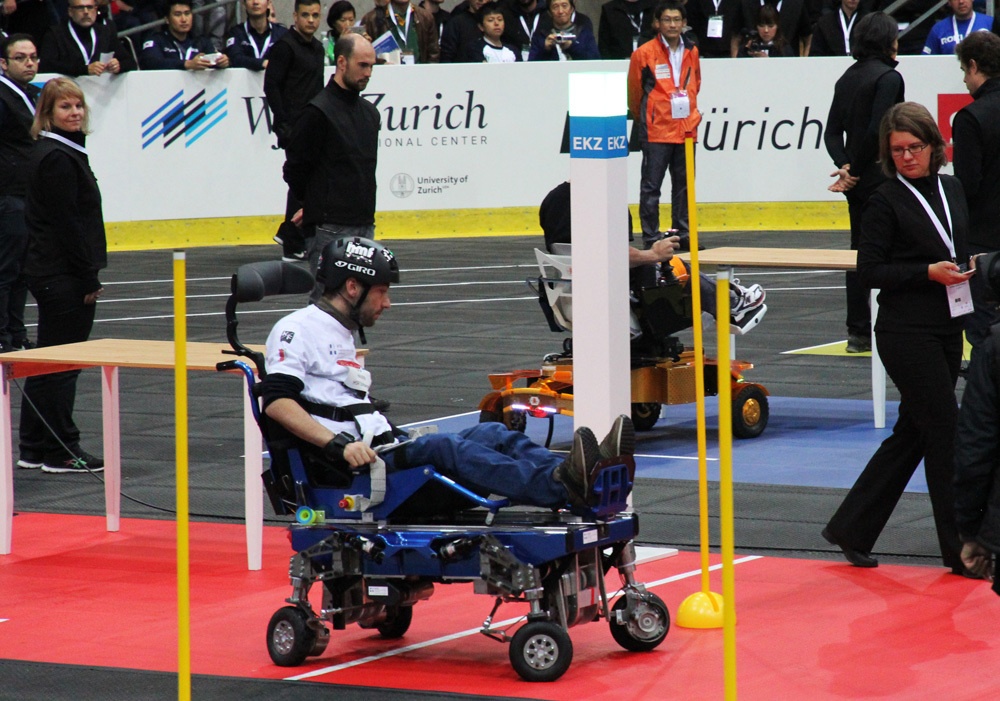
{"x":878,"y":371}
{"x":110,"y":406}
{"x":6,"y":465}
{"x":253,"y":466}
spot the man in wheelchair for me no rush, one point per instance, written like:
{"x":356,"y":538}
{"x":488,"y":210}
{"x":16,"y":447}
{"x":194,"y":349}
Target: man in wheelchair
{"x":747,"y":307}
{"x":317,"y":391}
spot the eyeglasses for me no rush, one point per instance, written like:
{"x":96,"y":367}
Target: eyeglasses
{"x":672,"y":20}
{"x":22,"y":58}
{"x":84,"y":8}
{"x":898,"y":151}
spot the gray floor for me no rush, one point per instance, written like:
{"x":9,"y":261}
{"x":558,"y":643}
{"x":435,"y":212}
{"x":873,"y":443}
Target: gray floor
{"x":462,"y":310}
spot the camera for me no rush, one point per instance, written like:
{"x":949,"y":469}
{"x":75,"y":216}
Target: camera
{"x":758,"y":47}
{"x":564,"y":37}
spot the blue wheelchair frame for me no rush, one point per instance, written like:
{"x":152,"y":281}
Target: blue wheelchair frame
{"x":374,"y":564}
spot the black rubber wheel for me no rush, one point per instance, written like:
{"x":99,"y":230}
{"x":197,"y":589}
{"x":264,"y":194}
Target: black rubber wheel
{"x":486,"y":416}
{"x":541,"y":651}
{"x":397,"y":622}
{"x":645,"y":415}
{"x":647,"y":626}
{"x":750,"y":412}
{"x":514,"y":420}
{"x":289,"y":638}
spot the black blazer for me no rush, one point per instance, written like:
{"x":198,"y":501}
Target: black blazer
{"x":976,"y":133}
{"x":898,"y":242}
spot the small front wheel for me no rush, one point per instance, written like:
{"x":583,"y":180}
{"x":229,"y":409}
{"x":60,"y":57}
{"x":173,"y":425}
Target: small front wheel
{"x":396,"y":623}
{"x":541,"y":651}
{"x":750,"y":412}
{"x":645,"y":415}
{"x":289,"y":638}
{"x":642,"y":629}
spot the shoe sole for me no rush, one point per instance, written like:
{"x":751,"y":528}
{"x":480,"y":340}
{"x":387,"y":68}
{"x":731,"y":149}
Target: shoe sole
{"x":59,"y":469}
{"x":29,"y":465}
{"x":625,"y":440}
{"x":278,"y":240}
{"x":742,"y":327}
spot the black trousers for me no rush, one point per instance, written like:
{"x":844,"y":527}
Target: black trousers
{"x":62,"y":318}
{"x":924,"y":368}
{"x":859,"y":313}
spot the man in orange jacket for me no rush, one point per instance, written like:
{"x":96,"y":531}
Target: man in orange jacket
{"x":664,"y":77}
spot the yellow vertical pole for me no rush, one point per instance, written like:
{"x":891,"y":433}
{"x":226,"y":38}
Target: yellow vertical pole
{"x":183,"y":542}
{"x":722,"y":307}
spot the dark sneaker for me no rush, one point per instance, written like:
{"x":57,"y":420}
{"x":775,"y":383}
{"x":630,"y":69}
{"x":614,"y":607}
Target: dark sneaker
{"x":620,"y":440}
{"x":293,"y":256}
{"x":22,"y":344}
{"x":858,"y":344}
{"x":279,"y":239}
{"x":574,"y":472}
{"x":29,"y":461}
{"x":748,"y":322}
{"x":84,"y":462}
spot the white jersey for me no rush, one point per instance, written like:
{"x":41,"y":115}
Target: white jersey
{"x":314,"y":347}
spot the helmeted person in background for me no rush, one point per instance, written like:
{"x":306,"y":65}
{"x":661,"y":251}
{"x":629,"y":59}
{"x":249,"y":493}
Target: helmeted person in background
{"x":316,"y":389}
{"x":861,"y":97}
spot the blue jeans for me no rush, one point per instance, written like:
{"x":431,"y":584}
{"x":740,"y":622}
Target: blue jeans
{"x":656,"y":159}
{"x":13,"y":291}
{"x":325,"y":233}
{"x":490,"y":458}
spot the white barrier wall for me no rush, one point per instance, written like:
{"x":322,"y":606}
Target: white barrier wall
{"x":174,"y":145}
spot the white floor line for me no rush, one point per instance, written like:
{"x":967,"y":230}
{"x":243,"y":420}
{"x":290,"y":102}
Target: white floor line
{"x":809,"y":348}
{"x":473,"y":631}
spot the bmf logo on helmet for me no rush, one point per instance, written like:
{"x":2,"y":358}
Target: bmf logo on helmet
{"x":356,"y":249}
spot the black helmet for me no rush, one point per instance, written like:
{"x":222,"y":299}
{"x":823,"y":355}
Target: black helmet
{"x":368,"y":262}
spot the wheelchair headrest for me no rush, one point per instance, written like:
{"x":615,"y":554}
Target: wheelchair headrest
{"x":255,"y":281}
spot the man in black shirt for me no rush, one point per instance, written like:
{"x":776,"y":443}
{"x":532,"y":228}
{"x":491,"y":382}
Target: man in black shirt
{"x":624,"y":25}
{"x":19,"y":61}
{"x":330,"y":162}
{"x":294,"y":76}
{"x":75,"y":48}
{"x":461,"y":30}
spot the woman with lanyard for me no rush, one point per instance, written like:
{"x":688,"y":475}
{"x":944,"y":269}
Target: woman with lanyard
{"x":912,"y":243}
{"x":66,"y":251}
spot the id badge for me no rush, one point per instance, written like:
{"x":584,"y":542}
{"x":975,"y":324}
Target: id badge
{"x":715,"y":27}
{"x":960,"y":299}
{"x":409,"y":59}
{"x":525,"y":51}
{"x":635,"y":42}
{"x":662,"y":71}
{"x":680,"y":105}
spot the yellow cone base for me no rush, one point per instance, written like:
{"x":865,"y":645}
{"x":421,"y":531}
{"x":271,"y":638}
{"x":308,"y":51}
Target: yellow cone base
{"x":702,"y":609}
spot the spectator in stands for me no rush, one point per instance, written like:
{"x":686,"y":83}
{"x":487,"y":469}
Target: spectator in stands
{"x":566,"y":35}
{"x":461,"y":30}
{"x":293,"y":77}
{"x":78,"y":46}
{"x":19,"y":61}
{"x":176,"y":48}
{"x":623,"y":26}
{"x":32,"y":17}
{"x":522,"y":20}
{"x":713,"y":23}
{"x":766,"y":41}
{"x":832,"y":34}
{"x":248,"y":45}
{"x":861,"y":98}
{"x":793,"y":18}
{"x":212,"y":23}
{"x":906,"y":16}
{"x":946,"y":34}
{"x":664,"y":78}
{"x":339,"y":18}
{"x":128,"y":15}
{"x":413,"y":28}
{"x":67,"y":250}
{"x":441,"y":17}
{"x":976,"y":135}
{"x":489,"y":48}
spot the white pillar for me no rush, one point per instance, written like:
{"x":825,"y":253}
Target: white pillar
{"x":598,"y":158}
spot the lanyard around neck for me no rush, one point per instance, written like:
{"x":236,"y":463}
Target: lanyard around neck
{"x":846,"y":28}
{"x":62,"y":139}
{"x":534,"y":26}
{"x":262,"y":51}
{"x":9,"y":83}
{"x":394,"y":23}
{"x":87,"y":58}
{"x":968,"y":27}
{"x":948,"y":239}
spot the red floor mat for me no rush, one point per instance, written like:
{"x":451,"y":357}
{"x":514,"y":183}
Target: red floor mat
{"x":73,"y":593}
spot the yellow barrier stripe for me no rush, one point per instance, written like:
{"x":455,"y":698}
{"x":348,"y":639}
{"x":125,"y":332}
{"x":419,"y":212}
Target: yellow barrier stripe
{"x":455,"y":223}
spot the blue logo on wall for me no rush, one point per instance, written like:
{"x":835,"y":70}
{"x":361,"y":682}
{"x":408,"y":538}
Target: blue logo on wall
{"x":191,"y":119}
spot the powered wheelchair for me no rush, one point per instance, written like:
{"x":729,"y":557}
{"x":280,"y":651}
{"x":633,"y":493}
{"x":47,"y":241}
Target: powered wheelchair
{"x":370,"y":540}
{"x":662,"y":369}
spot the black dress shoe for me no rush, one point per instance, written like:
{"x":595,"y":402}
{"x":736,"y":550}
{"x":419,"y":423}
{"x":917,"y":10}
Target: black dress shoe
{"x":858,"y":558}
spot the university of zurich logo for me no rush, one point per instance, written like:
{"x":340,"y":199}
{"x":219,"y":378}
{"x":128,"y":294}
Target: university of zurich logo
{"x":191,"y":119}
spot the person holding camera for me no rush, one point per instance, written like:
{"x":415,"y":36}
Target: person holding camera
{"x":767,"y":41}
{"x":566,"y":35}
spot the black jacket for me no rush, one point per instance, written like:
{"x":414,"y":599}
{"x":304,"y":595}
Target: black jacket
{"x":828,"y":34}
{"x":898,"y":242}
{"x":624,"y":26}
{"x":60,"y":53}
{"x":16,"y":143}
{"x":243,"y":43}
{"x":460,"y":31}
{"x":861,"y":97}
{"x":698,"y":13}
{"x":330,"y":160}
{"x":63,"y":214}
{"x":293,"y":77}
{"x":976,"y":134}
{"x":794,"y":19}
{"x":977,"y":449}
